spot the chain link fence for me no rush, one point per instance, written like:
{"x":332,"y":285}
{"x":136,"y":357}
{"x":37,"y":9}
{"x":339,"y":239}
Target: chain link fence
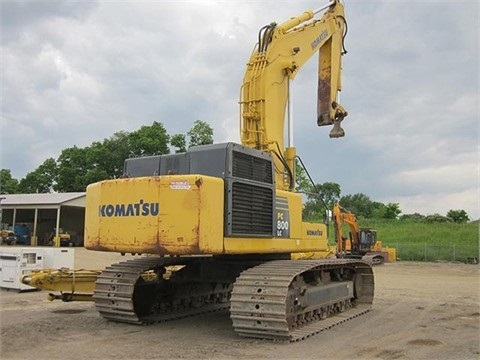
{"x":429,"y":252}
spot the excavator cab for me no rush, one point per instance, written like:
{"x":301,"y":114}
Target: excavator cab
{"x":368,"y":239}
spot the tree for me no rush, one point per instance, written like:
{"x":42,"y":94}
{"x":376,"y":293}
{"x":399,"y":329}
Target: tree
{"x":329,"y":193}
{"x":72,"y":170}
{"x":200,"y":134}
{"x":392,"y":211}
{"x":8,"y":185}
{"x":178,"y":140}
{"x":359,"y":204}
{"x":118,"y":149}
{"x":41,"y":180}
{"x":106,"y":159}
{"x":437,"y":218}
{"x":458,"y":216}
{"x":302,"y":181}
{"x":79,"y":167}
{"x":416,"y":217}
{"x":322,"y":197}
{"x":149,"y":140}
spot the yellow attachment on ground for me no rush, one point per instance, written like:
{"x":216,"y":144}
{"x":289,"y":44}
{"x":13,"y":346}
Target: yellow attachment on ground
{"x":79,"y":283}
{"x":76,"y":285}
{"x":392,"y":254}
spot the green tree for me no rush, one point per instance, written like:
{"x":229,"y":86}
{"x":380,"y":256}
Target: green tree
{"x":458,"y":216}
{"x":79,"y":167}
{"x":41,"y":180}
{"x":379,"y":210}
{"x":72,"y":170}
{"x":415,"y":217}
{"x":359,"y":204}
{"x":437,"y":218}
{"x":178,"y":141}
{"x":97,"y":163}
{"x":322,"y":197}
{"x":392,"y":211}
{"x":8,"y":185}
{"x":330,"y":193}
{"x":117,"y":149}
{"x":106,"y":159}
{"x":149,"y":140}
{"x":389,"y":211}
{"x":200,"y":134}
{"x":302,"y":181}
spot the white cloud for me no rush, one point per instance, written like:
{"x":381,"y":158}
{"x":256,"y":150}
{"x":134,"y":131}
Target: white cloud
{"x":434,"y":179}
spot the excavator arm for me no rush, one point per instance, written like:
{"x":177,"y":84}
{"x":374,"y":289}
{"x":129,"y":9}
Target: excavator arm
{"x":278,"y":56}
{"x":341,"y":217}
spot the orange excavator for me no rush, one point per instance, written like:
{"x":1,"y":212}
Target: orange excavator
{"x":361,"y":243}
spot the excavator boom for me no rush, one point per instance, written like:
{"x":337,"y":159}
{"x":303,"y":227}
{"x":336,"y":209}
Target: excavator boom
{"x":277,"y":58}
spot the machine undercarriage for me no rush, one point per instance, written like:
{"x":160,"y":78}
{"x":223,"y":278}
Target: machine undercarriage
{"x":278,"y":299}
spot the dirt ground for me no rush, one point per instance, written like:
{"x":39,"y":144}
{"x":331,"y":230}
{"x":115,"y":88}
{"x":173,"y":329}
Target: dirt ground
{"x":421,"y":311}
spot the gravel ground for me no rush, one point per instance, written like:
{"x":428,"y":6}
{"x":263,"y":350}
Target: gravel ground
{"x":421,"y":311}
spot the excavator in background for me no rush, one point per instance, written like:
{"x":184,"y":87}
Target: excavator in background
{"x":226,"y":216}
{"x":361,"y":243}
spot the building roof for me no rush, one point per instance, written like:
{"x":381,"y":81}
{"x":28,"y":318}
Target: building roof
{"x":42,"y":200}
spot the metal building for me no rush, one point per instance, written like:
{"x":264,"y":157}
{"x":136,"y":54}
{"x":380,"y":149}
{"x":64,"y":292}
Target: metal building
{"x":37,"y":218}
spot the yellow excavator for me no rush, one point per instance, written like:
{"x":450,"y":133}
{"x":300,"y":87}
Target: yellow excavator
{"x":226,"y":216}
{"x":361,"y":243}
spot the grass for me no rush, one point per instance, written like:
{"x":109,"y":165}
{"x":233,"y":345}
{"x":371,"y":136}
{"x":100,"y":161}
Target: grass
{"x":426,"y":241}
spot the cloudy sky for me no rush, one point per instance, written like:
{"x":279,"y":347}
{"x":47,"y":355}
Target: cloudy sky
{"x":74,"y":72}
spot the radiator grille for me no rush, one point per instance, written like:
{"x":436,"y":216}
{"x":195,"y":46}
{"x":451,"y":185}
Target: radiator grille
{"x":252,"y":210}
{"x":249,"y":167}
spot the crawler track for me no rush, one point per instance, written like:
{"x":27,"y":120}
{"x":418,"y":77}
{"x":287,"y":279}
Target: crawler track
{"x":273,"y":301}
{"x":122,"y":295}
